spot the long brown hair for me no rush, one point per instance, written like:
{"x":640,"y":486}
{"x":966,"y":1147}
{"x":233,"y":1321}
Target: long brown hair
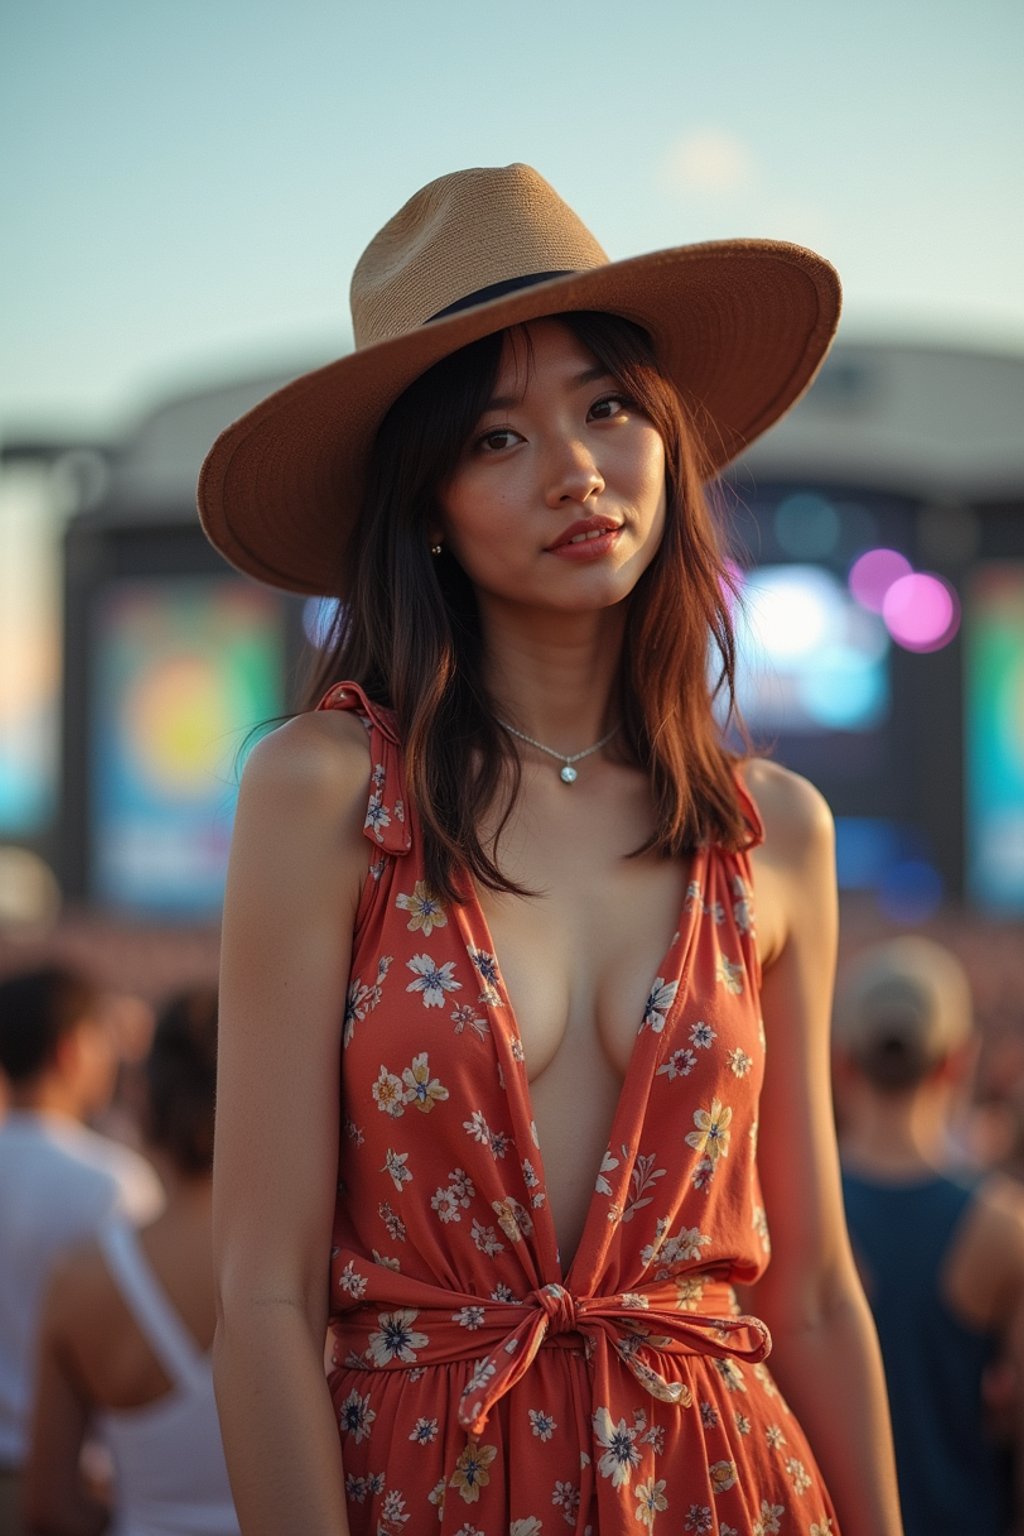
{"x":409,"y":629}
{"x":181,"y":1076}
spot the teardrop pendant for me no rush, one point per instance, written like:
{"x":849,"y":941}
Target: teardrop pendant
{"x":567,"y":773}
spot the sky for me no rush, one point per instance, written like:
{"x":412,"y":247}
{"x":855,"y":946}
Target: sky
{"x":185,"y":188}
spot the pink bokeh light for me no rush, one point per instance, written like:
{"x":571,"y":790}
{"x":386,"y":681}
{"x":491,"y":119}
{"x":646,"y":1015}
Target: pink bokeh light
{"x":873,"y":574}
{"x":921,"y":612}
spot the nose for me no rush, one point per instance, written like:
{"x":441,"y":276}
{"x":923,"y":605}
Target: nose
{"x":573,"y":476}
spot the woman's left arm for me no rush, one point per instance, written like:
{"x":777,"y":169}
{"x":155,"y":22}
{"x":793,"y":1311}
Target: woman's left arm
{"x":825,"y":1355}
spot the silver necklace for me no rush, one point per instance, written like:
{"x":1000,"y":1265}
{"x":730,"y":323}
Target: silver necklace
{"x":568,"y":772}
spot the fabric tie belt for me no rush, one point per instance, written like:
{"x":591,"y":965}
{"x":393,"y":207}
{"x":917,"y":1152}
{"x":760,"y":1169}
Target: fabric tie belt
{"x":385,"y":1321}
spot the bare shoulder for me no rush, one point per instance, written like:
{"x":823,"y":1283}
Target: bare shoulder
{"x":986,"y":1267}
{"x":1000,"y":1205}
{"x":324,"y":753}
{"x":794,"y":868}
{"x":797,"y":819}
{"x":301,"y":812}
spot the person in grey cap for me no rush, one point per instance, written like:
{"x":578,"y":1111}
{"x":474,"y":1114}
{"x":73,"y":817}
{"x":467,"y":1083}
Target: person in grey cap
{"x":941,"y":1247}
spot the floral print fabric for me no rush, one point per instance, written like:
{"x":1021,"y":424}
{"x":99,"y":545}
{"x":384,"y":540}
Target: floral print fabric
{"x":479,"y":1390}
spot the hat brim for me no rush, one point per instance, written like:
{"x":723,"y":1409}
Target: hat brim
{"x":740,"y":326}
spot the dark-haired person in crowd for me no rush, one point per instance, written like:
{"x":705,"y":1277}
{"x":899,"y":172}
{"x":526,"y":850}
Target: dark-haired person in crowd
{"x":127,"y":1326}
{"x":58,"y":1179}
{"x":526,"y":973}
{"x":941,"y":1247}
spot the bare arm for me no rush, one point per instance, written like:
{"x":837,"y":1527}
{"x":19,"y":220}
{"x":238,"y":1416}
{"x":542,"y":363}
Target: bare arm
{"x":58,"y":1500}
{"x":297,"y":863}
{"x":825,"y":1354}
{"x":984,"y":1284}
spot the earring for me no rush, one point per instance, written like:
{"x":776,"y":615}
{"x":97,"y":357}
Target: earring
{"x":435,"y":549}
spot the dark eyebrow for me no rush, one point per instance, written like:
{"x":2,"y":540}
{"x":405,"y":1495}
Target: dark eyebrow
{"x":588,"y":376}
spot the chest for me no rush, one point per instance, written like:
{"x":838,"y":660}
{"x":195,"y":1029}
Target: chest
{"x":579,"y":955}
{"x":556,"y":1022}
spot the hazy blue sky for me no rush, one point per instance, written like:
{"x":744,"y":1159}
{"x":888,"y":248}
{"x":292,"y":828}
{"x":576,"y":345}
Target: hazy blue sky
{"x":185,"y":185}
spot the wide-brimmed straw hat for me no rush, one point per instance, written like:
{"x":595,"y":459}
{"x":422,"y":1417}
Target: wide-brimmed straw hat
{"x":740,"y":326}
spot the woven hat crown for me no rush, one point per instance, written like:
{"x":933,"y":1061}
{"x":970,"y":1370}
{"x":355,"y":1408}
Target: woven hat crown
{"x":459,"y":237}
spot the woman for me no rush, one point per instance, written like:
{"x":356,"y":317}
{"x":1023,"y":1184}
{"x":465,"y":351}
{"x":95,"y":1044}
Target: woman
{"x":127,"y":1326}
{"x":514,"y":810}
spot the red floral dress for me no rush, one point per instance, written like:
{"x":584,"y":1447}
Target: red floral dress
{"x":479,"y":1390}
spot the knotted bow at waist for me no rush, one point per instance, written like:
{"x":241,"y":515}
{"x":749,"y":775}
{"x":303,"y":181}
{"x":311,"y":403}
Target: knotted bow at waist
{"x":382,"y":1320}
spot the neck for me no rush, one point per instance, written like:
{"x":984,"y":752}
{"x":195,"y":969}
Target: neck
{"x":554,"y":678}
{"x":45,"y":1096}
{"x":896,"y":1135}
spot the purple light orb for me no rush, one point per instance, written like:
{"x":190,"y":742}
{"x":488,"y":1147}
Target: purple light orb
{"x":921,"y":612}
{"x":873,"y":574}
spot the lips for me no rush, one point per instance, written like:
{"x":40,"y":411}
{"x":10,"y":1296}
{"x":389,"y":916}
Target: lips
{"x":586,"y":529}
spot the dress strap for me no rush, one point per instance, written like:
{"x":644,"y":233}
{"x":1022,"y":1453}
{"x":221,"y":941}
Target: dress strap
{"x":387,"y":822}
{"x":164,"y":1331}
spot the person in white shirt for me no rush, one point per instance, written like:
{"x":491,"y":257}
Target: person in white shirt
{"x":58,"y":1179}
{"x":127,"y":1326}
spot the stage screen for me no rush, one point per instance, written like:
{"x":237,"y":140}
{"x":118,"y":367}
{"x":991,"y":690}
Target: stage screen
{"x":183,"y":669}
{"x":30,"y":660}
{"x":994,"y":736}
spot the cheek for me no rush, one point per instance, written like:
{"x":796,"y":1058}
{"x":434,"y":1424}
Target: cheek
{"x":656,"y":534}
{"x":476,"y":517}
{"x":640,"y":468}
{"x":458,"y":504}
{"x":652,"y":491}
{"x":460,"y":524}
{"x":656,"y":469}
{"x":652,"y":495}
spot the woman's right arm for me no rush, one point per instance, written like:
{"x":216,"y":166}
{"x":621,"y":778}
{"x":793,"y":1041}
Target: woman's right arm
{"x":298,"y":860}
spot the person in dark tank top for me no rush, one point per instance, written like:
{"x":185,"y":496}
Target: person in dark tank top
{"x":940,"y":1245}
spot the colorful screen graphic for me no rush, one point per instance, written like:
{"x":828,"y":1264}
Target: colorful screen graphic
{"x":994,"y":717}
{"x":184,"y":669}
{"x":29,"y":657}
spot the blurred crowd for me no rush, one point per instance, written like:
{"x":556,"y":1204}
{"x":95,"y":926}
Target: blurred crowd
{"x":107,"y":1414}
{"x":107,"y":1307}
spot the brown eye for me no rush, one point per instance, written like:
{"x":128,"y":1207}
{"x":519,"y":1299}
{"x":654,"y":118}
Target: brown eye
{"x":609,"y":406}
{"x":497,"y":440}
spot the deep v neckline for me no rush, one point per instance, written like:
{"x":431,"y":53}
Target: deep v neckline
{"x":677,"y":959}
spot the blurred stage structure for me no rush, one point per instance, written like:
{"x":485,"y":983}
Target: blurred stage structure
{"x":879,"y":545}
